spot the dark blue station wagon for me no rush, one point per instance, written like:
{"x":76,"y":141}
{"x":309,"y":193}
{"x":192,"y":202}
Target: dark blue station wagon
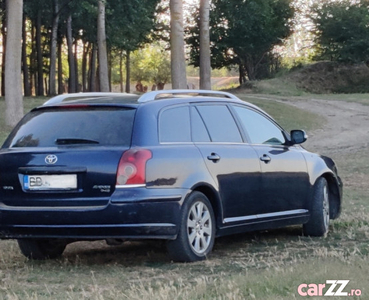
{"x":183,"y":165}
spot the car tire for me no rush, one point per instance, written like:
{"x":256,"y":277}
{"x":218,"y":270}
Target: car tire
{"x":40,"y":249}
{"x":196,"y":234}
{"x":318,"y":224}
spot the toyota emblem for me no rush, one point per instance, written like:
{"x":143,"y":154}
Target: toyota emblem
{"x":51,"y":159}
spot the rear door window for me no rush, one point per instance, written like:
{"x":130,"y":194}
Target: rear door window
{"x":220,"y":123}
{"x":199,"y":131}
{"x":70,"y":126}
{"x":174,"y":125}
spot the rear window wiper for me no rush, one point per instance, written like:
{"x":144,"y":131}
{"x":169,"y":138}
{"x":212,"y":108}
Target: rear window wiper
{"x":71,"y":141}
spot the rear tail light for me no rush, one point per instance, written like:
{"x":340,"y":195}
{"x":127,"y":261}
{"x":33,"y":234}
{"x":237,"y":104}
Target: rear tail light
{"x":132,"y":167}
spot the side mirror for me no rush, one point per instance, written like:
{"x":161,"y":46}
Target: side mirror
{"x":298,"y":137}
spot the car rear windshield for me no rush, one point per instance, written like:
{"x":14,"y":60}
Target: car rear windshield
{"x":52,"y":127}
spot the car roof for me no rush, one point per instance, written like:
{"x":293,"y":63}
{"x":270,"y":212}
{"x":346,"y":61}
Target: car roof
{"x":166,"y":97}
{"x":172,"y":96}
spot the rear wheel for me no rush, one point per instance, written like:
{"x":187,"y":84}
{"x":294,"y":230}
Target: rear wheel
{"x":318,"y":224}
{"x":195,"y":238}
{"x":40,"y":249}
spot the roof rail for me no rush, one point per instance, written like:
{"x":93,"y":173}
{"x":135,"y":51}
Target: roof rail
{"x":151,"y":96}
{"x":76,"y":96}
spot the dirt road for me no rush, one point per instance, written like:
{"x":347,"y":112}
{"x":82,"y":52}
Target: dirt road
{"x":346,"y":129}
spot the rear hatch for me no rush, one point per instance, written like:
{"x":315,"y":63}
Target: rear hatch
{"x":64,"y":156}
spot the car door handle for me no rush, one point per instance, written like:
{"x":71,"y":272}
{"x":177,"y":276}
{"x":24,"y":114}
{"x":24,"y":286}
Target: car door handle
{"x":265,"y":158}
{"x":214,"y":157}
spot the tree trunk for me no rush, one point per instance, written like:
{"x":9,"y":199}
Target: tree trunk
{"x":250,"y":68}
{"x":205,"y":66}
{"x":97,"y":81}
{"x":61,"y":89}
{"x":92,"y":81}
{"x":13,"y":75}
{"x":76,"y":65}
{"x":26,"y":85}
{"x":72,"y":69}
{"x":128,"y":72}
{"x":3,"y":33}
{"x":242,"y":73}
{"x":86,"y":50}
{"x":121,"y":71}
{"x":53,"y":46}
{"x":178,"y":62}
{"x":40,"y":63}
{"x":33,"y":62}
{"x":46,"y":87}
{"x":110,"y":66}
{"x":103,"y":57}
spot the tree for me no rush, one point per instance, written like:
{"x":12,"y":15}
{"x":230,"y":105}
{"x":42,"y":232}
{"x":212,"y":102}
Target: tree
{"x":40,"y":62}
{"x":57,"y":8}
{"x":342,"y":30}
{"x":72,"y":88}
{"x":52,"y":22}
{"x":178,"y":61}
{"x":205,"y":65}
{"x":130,"y":27}
{"x":38,"y":14}
{"x":102,"y":51}
{"x":3,"y":36}
{"x":13,"y":78}
{"x":244,"y":33}
{"x":151,"y":64}
{"x":26,"y":84}
{"x":53,"y":47}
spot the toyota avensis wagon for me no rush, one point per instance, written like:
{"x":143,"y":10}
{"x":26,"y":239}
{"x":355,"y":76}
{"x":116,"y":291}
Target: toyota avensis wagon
{"x":185,"y":166}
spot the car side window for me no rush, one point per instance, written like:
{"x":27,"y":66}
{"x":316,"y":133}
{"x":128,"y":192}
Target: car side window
{"x":174,"y":125}
{"x":220,"y":123}
{"x":259,"y":128}
{"x":199,"y":131}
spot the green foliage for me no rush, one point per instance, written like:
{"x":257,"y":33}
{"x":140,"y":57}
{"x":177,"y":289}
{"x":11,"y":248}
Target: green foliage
{"x":32,"y":7}
{"x":244,"y":33}
{"x":192,"y":71}
{"x":342,"y":30}
{"x":129,"y":23}
{"x":151,"y":64}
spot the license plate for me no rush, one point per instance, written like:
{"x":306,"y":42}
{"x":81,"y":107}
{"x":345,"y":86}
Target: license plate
{"x":50,"y":182}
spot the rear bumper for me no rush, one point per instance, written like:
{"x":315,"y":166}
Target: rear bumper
{"x":131,"y":213}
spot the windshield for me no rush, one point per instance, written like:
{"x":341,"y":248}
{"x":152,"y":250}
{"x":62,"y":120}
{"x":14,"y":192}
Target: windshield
{"x":73,"y":126}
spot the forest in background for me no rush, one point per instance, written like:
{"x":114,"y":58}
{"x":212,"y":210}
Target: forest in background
{"x":255,"y":39}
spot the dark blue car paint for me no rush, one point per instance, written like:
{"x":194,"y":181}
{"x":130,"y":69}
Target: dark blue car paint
{"x":246,"y":193}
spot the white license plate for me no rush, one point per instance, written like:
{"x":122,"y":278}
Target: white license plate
{"x":50,"y":182}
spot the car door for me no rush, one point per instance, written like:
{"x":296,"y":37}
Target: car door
{"x":232,"y":163}
{"x":285,"y":180}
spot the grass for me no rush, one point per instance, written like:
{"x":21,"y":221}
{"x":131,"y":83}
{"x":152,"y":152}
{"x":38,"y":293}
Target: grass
{"x":289,"y":117}
{"x":277,"y":86}
{"x":260,"y":265}
{"x":358,"y":98}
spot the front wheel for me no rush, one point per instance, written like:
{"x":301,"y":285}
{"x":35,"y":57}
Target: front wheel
{"x":196,"y":235}
{"x":41,"y":249}
{"x":318,"y":224}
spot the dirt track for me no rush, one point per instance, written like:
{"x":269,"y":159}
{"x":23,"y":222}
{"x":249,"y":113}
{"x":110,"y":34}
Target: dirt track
{"x":347,"y":127}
